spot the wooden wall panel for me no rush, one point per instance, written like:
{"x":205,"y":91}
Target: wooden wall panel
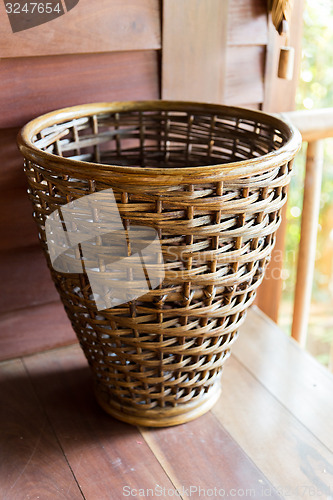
{"x":32,"y":86}
{"x":34,"y":329}
{"x":255,"y":105}
{"x":245,"y":75}
{"x":194,"y":49}
{"x":17,"y":227}
{"x":247,"y":22}
{"x":32,"y":317}
{"x":99,"y":26}
{"x":214,"y":51}
{"x":35,"y":288}
{"x":11,"y":165}
{"x":246,"y":63}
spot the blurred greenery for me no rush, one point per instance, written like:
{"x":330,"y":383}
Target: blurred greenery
{"x":315,"y":90}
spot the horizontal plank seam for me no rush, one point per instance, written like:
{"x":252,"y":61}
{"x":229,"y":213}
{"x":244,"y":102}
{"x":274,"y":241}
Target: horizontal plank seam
{"x":253,"y":44}
{"x":33,"y":306}
{"x":63,"y":345}
{"x":10,"y":249}
{"x":76,"y":344}
{"x":21,"y":249}
{"x":152,"y":48}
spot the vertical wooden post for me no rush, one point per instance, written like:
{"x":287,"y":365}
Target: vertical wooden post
{"x":280,"y":94}
{"x":307,"y":246}
{"x":279,"y":97}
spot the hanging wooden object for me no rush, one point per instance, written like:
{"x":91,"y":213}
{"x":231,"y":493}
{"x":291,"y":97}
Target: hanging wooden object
{"x":281,"y":13}
{"x":286,"y":63}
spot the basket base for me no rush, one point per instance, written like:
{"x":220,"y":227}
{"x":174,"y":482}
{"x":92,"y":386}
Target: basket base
{"x":161,"y":417}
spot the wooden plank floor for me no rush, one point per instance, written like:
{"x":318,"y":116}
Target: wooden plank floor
{"x":269,"y":435}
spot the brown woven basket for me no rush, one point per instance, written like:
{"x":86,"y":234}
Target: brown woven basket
{"x":211,"y":180}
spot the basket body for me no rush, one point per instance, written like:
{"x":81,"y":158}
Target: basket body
{"x":211,"y":181}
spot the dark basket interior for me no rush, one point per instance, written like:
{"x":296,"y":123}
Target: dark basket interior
{"x":161,"y":138}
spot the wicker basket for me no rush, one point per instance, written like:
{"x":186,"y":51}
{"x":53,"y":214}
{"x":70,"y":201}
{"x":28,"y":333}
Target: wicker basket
{"x":211,"y":180}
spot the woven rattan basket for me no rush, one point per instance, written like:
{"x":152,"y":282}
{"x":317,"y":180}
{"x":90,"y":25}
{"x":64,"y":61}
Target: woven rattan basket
{"x":211,"y":181}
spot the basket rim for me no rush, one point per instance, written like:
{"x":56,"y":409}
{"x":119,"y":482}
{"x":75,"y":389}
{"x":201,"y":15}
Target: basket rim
{"x":244,"y":167}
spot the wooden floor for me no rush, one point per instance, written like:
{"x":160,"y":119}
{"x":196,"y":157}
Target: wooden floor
{"x":269,"y":436}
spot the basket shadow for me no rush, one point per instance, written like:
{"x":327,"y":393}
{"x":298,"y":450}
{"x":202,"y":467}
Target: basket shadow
{"x":51,"y":406}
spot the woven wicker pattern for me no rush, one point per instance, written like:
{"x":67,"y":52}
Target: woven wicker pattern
{"x":195,"y":173}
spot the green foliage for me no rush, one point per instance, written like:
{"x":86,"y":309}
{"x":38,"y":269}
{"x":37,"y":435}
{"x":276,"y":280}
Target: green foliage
{"x":316,"y":82}
{"x":315,"y":90}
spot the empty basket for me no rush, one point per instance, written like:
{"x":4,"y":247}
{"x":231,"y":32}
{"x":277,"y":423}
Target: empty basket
{"x":210,"y":182}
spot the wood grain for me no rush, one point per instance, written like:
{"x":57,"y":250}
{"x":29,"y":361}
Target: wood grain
{"x":208,"y":458}
{"x":109,"y":26}
{"x":244,"y":75}
{"x":32,"y":86}
{"x":214,"y":51}
{"x":104,"y":454}
{"x":32,"y":464}
{"x":280,"y":94}
{"x":34,"y":329}
{"x":17,"y":227}
{"x":54,"y":437}
{"x":247,"y":22}
{"x":194,"y":50}
{"x":281,"y":447}
{"x":269,"y":355}
{"x":11,"y":166}
{"x":313,"y":124}
{"x":25,"y":279}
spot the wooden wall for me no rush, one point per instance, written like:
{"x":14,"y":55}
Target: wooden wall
{"x":105,"y":53}
{"x":227,"y":52}
{"x":215,"y":51}
{"x":212,"y":50}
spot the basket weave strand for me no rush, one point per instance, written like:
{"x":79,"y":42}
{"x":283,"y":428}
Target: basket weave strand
{"x":211,"y":180}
